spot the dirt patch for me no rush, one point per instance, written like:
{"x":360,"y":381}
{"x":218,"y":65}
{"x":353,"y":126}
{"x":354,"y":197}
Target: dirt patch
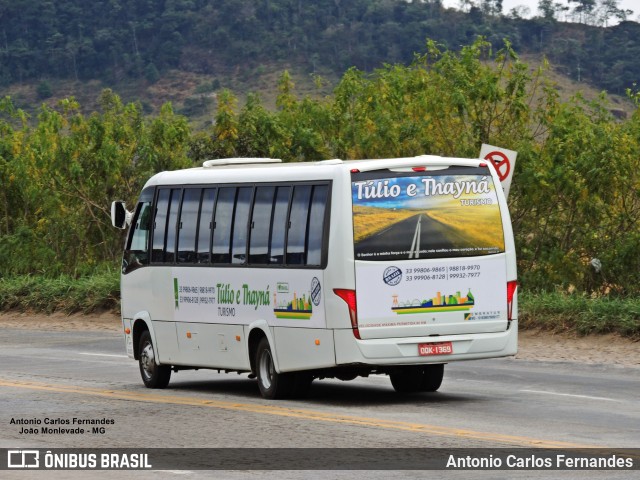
{"x":533,"y":345}
{"x":592,"y":349}
{"x":105,"y":321}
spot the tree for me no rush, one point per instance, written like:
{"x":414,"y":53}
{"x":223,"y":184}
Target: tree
{"x":548,"y":8}
{"x":609,"y":9}
{"x":260,"y":133}
{"x":583,"y":10}
{"x":491,"y":7}
{"x":225,"y":128}
{"x":60,"y":175}
{"x":519,"y":12}
{"x":44,"y":90}
{"x":151,"y":73}
{"x":466,"y":5}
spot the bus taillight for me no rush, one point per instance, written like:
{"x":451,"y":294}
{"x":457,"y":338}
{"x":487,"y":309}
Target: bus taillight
{"x":349,"y":296}
{"x":511,"y":290}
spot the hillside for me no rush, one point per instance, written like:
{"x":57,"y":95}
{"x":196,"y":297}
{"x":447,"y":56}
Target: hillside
{"x":192,"y":94}
{"x":185,"y":51}
{"x":195,"y":95}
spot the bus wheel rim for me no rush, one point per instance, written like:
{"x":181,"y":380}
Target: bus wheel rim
{"x":147,"y":360}
{"x":267,"y":370}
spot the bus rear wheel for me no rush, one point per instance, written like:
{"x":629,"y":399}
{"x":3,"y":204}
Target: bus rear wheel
{"x":413,"y":379}
{"x":153,"y":375}
{"x":273,"y":385}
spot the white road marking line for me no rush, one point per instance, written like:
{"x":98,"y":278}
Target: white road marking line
{"x":415,"y":245}
{"x":573,"y":395}
{"x":102,"y":354}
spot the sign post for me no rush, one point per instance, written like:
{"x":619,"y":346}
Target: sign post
{"x":503,"y":160}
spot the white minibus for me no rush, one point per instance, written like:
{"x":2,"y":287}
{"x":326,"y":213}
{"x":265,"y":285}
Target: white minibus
{"x":299,"y":271}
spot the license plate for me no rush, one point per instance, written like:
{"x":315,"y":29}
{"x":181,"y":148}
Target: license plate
{"x":442,"y":348}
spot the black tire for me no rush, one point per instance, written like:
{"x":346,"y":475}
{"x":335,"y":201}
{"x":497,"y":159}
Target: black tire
{"x":273,"y":385}
{"x":413,"y":379}
{"x":432,"y":377}
{"x":153,"y":375}
{"x":406,"y":379}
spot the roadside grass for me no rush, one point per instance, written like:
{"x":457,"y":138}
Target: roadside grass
{"x":98,"y":292}
{"x":555,"y":312}
{"x":580,"y":314}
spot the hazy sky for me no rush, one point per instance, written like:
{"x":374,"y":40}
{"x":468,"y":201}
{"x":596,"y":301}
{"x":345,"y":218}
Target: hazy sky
{"x":507,"y":5}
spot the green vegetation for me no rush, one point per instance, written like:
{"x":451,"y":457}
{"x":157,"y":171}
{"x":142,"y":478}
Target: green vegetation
{"x":100,"y":291}
{"x":575,"y":199}
{"x":559,"y":312}
{"x":59,"y":177}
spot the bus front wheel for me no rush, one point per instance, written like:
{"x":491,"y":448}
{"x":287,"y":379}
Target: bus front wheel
{"x":153,"y":375}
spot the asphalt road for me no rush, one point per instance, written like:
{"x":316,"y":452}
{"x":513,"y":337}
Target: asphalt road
{"x":413,"y":234}
{"x":491,"y":404}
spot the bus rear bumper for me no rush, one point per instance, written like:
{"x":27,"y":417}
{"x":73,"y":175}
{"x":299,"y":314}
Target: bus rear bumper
{"x":404,"y":351}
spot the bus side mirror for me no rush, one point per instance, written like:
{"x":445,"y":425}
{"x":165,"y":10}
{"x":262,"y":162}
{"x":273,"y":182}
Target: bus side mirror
{"x":120,"y":217}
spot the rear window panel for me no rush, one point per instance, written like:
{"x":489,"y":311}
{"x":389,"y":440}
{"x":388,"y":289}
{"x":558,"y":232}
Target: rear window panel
{"x":452,"y":212}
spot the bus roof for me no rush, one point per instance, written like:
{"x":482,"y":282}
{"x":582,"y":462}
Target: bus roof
{"x":243,"y":170}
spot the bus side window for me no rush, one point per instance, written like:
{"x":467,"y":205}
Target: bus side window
{"x":298,"y":218}
{"x":221,"y":249}
{"x":205,"y":225}
{"x":279,"y":225}
{"x":172,"y":225}
{"x":188,"y":225}
{"x":136,"y":254}
{"x":316,"y":224}
{"x":260,"y":225}
{"x":160,"y":225}
{"x":240,"y":225}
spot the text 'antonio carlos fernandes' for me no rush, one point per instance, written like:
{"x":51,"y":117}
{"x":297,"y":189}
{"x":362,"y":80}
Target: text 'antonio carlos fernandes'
{"x":545,"y":461}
